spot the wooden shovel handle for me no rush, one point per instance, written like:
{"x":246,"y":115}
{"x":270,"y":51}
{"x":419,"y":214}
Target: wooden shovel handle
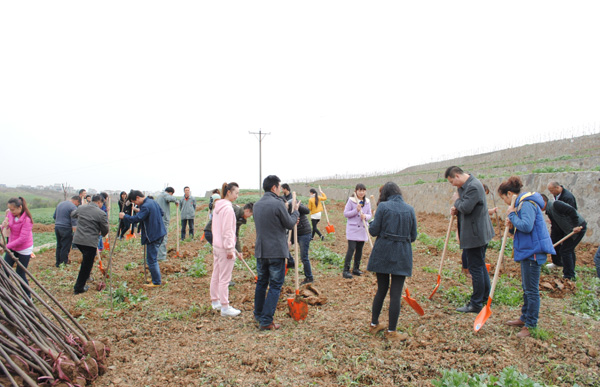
{"x":501,"y":255}
{"x":446,"y":243}
{"x":564,"y":239}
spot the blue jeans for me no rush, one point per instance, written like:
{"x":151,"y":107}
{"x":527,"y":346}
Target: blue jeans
{"x":479,"y":275}
{"x":271,"y":273}
{"x":24,"y":259}
{"x":567,"y":252}
{"x":530,"y":281}
{"x":597,"y":262}
{"x":304,"y":244}
{"x":151,"y":255}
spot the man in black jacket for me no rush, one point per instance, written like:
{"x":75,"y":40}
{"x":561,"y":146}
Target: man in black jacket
{"x":564,"y":195}
{"x":568,"y":220}
{"x":304,"y":238}
{"x":271,"y":249}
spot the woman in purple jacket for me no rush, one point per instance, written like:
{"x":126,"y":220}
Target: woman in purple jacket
{"x":358,"y":212}
{"x":19,"y":222}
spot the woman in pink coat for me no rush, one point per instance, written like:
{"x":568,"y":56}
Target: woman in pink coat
{"x":224,"y":253}
{"x":358,"y":212}
{"x":19,"y":222}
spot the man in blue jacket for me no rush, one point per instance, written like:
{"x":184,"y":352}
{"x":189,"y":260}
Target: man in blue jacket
{"x":475,"y":232}
{"x":153,"y":232}
{"x":271,"y":250}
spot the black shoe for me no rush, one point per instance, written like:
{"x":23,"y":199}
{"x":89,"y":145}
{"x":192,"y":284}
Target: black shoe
{"x":468,"y":309}
{"x":231,"y":283}
{"x":307,"y":281}
{"x":347,"y":274}
{"x":322,"y":237}
{"x":357,"y":272}
{"x":85,"y":289}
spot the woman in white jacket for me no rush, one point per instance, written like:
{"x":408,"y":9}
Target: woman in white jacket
{"x":223,"y":230}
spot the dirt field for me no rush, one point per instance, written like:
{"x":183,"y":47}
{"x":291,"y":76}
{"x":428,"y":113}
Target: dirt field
{"x":174,"y":338}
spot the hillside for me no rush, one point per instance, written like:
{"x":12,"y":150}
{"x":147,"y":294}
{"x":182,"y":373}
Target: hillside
{"x":574,"y":162}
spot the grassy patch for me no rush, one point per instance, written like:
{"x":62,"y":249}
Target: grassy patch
{"x":166,"y":315}
{"x":508,"y":377}
{"x":123,"y":297}
{"x":456,"y":296}
{"x":587,"y":298}
{"x":197,"y":268}
{"x":508,"y":292}
{"x":328,"y":257}
{"x":42,"y":238}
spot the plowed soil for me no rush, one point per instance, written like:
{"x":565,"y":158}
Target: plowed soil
{"x":175,"y":339}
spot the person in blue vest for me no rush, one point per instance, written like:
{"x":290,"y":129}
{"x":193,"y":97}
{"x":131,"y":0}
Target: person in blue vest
{"x":153,"y":232}
{"x":531,"y":246}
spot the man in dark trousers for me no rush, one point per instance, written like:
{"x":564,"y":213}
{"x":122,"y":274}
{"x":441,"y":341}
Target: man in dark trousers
{"x":564,"y":195}
{"x":153,"y":232}
{"x":568,"y":220}
{"x":64,"y":226}
{"x":475,"y":232}
{"x":271,"y":250}
{"x":92,"y":223}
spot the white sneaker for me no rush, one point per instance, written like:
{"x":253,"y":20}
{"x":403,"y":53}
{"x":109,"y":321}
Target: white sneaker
{"x":216,"y":305}
{"x":230,"y":312}
{"x":551,"y":266}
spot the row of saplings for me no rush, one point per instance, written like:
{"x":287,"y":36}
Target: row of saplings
{"x":36,"y":349}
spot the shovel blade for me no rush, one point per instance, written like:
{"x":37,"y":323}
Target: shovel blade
{"x":330,"y":229}
{"x":298,"y":309}
{"x":415,"y":305}
{"x":483,"y":316}
{"x":439,"y":280}
{"x":129,"y":236}
{"x":107,"y":245}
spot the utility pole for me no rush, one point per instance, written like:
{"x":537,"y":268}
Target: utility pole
{"x":260,"y":135}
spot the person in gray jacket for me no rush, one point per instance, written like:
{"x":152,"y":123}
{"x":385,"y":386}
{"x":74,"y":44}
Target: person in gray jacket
{"x":395,"y":226}
{"x":475,"y":232}
{"x":271,"y":250}
{"x":187,"y":206}
{"x":92,"y":222}
{"x":164,"y":200}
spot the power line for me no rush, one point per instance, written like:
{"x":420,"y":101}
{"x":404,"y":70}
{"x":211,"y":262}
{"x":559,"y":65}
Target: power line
{"x":260,"y":135}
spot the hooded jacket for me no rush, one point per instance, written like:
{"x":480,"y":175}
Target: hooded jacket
{"x":355,"y":227}
{"x":532,"y":240}
{"x":223,"y":226}
{"x":21,"y":232}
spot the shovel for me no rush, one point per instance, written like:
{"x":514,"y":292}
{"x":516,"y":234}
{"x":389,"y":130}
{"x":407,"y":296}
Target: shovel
{"x":102,"y":283}
{"x":243,"y":260}
{"x":487,"y":311}
{"x":439,"y":277}
{"x":177,"y":236}
{"x":413,"y":303}
{"x":329,"y":228}
{"x":564,"y":239}
{"x":132,"y":234}
{"x":298,"y":307}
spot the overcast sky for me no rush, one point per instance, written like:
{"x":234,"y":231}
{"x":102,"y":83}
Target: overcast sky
{"x":138,"y":94}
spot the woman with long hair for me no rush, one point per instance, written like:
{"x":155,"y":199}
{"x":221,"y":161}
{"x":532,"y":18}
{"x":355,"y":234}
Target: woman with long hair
{"x":358,"y":212}
{"x":224,"y":253}
{"x":395,"y":226}
{"x":20,"y":223}
{"x":316,"y":207}
{"x":531,"y":245}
